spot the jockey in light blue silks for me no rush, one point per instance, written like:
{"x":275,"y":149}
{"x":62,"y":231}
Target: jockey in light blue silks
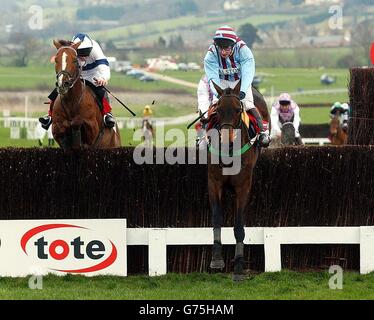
{"x":228,"y":61}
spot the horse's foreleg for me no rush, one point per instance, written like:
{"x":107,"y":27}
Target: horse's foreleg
{"x":61,"y":135}
{"x":76,"y":133}
{"x":242,"y":193}
{"x":239,"y":265}
{"x":215,"y":193}
{"x":76,"y":136}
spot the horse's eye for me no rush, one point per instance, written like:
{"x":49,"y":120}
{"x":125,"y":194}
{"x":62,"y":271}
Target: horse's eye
{"x":238,"y":110}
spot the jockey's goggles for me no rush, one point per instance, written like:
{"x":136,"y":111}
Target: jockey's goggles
{"x":85,"y":52}
{"x":284,"y":103}
{"x":226,"y":49}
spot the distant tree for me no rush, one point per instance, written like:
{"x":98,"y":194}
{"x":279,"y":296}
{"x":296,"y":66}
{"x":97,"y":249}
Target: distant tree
{"x":176,"y":42}
{"x":27,"y":47}
{"x":248,"y":33}
{"x":110,"y":45}
{"x":161,"y":43}
{"x":362,"y":37}
{"x":101,"y":12}
{"x":185,"y":7}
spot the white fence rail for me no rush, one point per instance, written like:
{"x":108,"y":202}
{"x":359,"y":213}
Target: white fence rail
{"x":319,"y":141}
{"x":272,"y":238}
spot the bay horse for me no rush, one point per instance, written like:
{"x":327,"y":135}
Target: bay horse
{"x":337,"y":135}
{"x":287,"y":137}
{"x":229,"y":112}
{"x":76,"y":117}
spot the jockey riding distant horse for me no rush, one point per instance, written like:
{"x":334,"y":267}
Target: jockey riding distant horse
{"x":147,"y":127}
{"x":76,"y":117}
{"x":228,"y":117}
{"x":147,"y":132}
{"x":285,"y":119}
{"x":337,"y":135}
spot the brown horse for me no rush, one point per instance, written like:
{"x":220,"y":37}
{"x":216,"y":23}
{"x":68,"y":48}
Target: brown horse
{"x":76,"y":118}
{"x":229,"y":111}
{"x":337,"y":135}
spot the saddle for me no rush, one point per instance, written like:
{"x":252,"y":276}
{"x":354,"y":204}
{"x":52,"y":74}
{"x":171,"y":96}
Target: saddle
{"x":99,"y":102}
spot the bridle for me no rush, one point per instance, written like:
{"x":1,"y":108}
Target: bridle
{"x":238,"y":126}
{"x":72,"y":79}
{"x":240,"y":122}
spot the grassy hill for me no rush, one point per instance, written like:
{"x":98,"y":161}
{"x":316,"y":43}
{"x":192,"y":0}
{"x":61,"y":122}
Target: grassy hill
{"x":151,"y":31}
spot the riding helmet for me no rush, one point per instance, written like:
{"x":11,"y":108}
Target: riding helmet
{"x":284,"y":99}
{"x":85,"y":48}
{"x":225,"y":37}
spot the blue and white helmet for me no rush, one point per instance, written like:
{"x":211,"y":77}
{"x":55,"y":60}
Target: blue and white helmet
{"x":85,"y":48}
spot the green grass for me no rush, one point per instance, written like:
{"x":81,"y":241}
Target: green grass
{"x":308,"y":116}
{"x":276,"y":80}
{"x":33,"y":77}
{"x":294,"y":79}
{"x":315,"y":115}
{"x":284,"y":285}
{"x":43,"y":78}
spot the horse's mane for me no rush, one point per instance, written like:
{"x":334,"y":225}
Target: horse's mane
{"x":65,"y":43}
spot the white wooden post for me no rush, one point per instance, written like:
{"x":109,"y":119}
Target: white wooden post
{"x":272,"y":247}
{"x":366,"y":250}
{"x":157,"y":252}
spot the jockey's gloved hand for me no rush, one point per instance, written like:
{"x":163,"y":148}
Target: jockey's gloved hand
{"x":241,"y":95}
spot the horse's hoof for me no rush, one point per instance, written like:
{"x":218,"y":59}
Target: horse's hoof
{"x":217,"y":264}
{"x":239,"y":277}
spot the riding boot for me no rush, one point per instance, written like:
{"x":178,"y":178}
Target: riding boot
{"x":109,"y":120}
{"x":46,"y":120}
{"x":264,"y":137}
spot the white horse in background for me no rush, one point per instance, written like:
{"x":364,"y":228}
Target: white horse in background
{"x":40,"y":135}
{"x":147,"y":132}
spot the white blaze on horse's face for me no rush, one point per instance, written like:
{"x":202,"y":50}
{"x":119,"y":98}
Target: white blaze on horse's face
{"x":63,"y":68}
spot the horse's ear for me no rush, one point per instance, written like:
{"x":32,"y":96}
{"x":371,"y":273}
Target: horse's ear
{"x":57,"y":44}
{"x":237,"y":88}
{"x":218,"y":88}
{"x":75,"y":46}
